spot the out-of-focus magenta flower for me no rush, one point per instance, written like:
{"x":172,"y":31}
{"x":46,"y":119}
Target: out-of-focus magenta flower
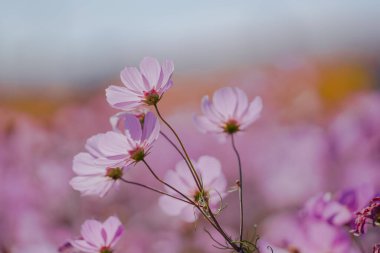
{"x":214,"y":183}
{"x":292,"y":234}
{"x":376,"y":248}
{"x":109,"y":153}
{"x":368,"y":215}
{"x":338,"y":209}
{"x":98,"y":237}
{"x":144,"y":87}
{"x":229,"y":112}
{"x":325,"y":207}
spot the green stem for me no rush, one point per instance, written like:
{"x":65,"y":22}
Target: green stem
{"x":240,"y":187}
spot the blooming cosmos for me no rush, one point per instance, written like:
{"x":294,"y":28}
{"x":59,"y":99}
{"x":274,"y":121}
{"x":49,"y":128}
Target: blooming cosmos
{"x":144,"y":87}
{"x":109,"y":154}
{"x":99,"y":237}
{"x":214,"y":183}
{"x":228,"y":112}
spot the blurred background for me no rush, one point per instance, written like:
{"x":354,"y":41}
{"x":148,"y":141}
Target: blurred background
{"x":315,"y":64}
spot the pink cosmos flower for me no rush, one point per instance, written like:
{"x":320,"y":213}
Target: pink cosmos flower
{"x":214,"y":183}
{"x":144,"y":87}
{"x":110,"y":153}
{"x":98,"y":237}
{"x":229,"y":112}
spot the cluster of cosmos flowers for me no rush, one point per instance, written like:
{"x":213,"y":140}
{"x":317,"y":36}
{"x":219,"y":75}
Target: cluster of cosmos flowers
{"x":194,"y":187}
{"x":310,"y":171}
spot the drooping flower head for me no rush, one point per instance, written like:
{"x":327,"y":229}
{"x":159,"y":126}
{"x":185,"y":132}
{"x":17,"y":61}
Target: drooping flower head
{"x":368,"y":215}
{"x":142,"y":87}
{"x":214,"y":183}
{"x":229,"y":112}
{"x":109,"y":154}
{"x":99,"y":237}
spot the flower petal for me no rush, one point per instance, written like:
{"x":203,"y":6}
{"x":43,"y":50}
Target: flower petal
{"x":92,"y":185}
{"x":122,"y":98}
{"x":167,"y":71}
{"x":204,"y":125}
{"x":91,"y":232}
{"x":133,"y":126}
{"x":225,"y":102}
{"x":83,"y":164}
{"x":114,"y":229}
{"x":84,"y":246}
{"x":151,"y":70}
{"x":114,"y":145}
{"x":253,"y":112}
{"x":132,"y":79}
{"x":171,"y":206}
{"x":151,"y":128}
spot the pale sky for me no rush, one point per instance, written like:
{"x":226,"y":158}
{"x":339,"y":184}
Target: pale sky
{"x":80,"y":41}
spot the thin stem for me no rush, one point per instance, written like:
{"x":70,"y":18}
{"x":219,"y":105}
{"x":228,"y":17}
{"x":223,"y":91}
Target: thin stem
{"x":240,"y":187}
{"x":152,"y":189}
{"x":176,"y":148}
{"x":220,"y":229}
{"x":192,"y":169}
{"x":168,"y":185}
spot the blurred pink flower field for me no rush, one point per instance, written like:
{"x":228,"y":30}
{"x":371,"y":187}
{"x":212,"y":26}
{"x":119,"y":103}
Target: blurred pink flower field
{"x":310,"y":163}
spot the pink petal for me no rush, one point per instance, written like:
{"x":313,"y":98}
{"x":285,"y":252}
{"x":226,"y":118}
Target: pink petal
{"x":113,"y":229}
{"x":189,"y":214}
{"x":171,"y":206}
{"x":122,"y":98}
{"x":167,"y":71}
{"x":84,"y":246}
{"x":151,"y":70}
{"x":133,"y":126}
{"x":91,"y":233}
{"x":132,"y":79}
{"x":92,"y":185}
{"x":114,"y":145}
{"x":83,"y":164}
{"x":211,"y":171}
{"x":210,"y":112}
{"x":242,"y":103}
{"x":225,"y":102}
{"x":253,"y":112}
{"x":151,"y":128}
{"x":92,"y":144}
{"x":204,"y":125}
